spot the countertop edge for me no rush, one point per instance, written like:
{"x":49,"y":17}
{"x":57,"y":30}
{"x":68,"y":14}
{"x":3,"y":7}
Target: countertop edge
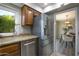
{"x":16,"y":41}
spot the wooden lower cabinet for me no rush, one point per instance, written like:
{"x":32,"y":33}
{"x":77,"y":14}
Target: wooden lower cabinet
{"x":10,"y":50}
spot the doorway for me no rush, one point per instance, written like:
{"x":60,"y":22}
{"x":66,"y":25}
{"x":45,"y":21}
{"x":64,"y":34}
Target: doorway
{"x":64,"y":33}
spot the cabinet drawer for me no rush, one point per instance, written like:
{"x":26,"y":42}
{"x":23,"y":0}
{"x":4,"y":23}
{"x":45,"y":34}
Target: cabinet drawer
{"x":13,"y":49}
{"x":15,"y":53}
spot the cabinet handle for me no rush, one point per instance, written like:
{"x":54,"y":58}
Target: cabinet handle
{"x":29,"y":43}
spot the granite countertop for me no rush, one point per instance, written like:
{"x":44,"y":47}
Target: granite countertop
{"x":14,"y":39}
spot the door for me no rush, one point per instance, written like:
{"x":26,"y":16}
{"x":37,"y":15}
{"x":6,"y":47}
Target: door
{"x":65,"y":33}
{"x":77,"y":32}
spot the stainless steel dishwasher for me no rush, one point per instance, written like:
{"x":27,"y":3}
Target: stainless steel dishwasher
{"x":28,"y":49}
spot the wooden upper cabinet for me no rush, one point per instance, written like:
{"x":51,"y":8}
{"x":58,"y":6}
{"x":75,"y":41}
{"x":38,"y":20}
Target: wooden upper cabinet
{"x":26,"y":16}
{"x":36,"y":13}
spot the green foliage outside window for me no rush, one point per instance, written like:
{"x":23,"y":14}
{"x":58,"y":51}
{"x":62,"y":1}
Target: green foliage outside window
{"x":7,"y":24}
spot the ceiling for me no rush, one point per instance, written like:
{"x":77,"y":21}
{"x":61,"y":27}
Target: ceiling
{"x":38,"y":6}
{"x":18,"y":4}
{"x":62,"y":16}
{"x":44,"y":5}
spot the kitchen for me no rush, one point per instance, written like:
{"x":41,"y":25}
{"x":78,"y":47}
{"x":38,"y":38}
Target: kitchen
{"x":32,"y":30}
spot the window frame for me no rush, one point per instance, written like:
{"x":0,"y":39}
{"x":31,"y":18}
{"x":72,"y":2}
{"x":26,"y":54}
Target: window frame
{"x":13,"y":10}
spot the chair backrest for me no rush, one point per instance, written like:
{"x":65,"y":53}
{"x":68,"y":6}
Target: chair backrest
{"x":67,"y":38}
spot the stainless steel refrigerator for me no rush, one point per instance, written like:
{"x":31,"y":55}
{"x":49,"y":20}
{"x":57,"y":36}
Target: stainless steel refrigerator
{"x":41,"y":28}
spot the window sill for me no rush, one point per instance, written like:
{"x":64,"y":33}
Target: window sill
{"x":6,"y":34}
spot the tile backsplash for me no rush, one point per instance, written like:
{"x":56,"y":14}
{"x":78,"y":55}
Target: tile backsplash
{"x":22,"y":30}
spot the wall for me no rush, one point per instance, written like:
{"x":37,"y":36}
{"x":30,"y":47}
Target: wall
{"x":59,"y":28}
{"x":12,"y":8}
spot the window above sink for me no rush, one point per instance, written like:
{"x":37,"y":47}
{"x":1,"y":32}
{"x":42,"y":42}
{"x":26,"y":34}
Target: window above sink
{"x":7,"y":21}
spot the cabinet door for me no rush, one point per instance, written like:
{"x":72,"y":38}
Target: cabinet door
{"x":10,"y":50}
{"x":26,"y":16}
{"x":23,"y":15}
{"x":30,"y":17}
